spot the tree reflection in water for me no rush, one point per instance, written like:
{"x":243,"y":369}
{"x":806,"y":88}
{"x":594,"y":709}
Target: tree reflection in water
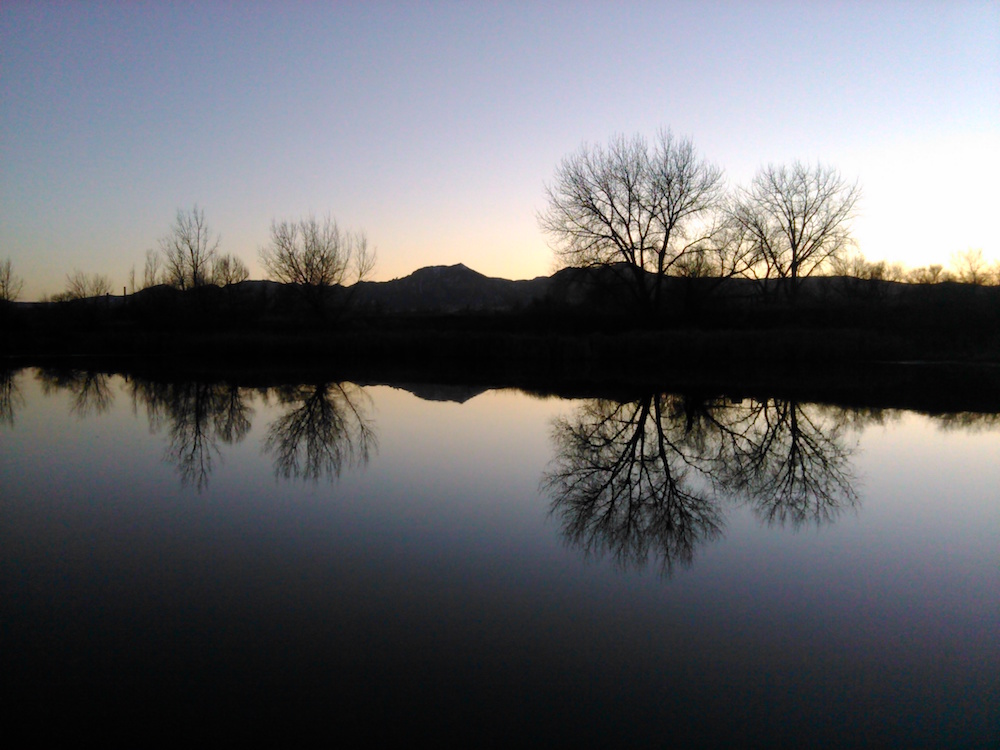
{"x":198,"y":416}
{"x":90,"y":390}
{"x":968,"y":422}
{"x":624,"y":483}
{"x":633,"y":480}
{"x":10,"y":396}
{"x":649,"y":477}
{"x":325,"y":428}
{"x":795,"y":466}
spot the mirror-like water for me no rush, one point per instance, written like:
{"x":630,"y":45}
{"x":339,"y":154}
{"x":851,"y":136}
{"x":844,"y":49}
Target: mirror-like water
{"x":498,"y":565}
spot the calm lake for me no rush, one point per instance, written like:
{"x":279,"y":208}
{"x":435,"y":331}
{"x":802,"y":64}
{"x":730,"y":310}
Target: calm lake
{"x":643,"y":570}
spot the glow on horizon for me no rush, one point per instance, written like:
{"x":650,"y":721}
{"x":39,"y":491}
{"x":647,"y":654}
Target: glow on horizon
{"x":434,"y":127}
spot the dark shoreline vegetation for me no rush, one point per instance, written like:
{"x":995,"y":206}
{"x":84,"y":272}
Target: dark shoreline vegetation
{"x":453,"y":323}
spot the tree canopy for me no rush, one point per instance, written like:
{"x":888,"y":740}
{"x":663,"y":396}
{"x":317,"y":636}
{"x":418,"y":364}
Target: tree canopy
{"x":646,"y":206}
{"x":797,"y":218}
{"x":316,"y":253}
{"x":188,"y":250}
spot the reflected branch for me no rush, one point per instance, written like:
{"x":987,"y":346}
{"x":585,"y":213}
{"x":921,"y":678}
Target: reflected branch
{"x":647,"y":478}
{"x":90,"y":390}
{"x":232,"y":415}
{"x":623,"y":485}
{"x":10,"y":396}
{"x":794,"y":467}
{"x":197,"y":416}
{"x":325,"y":429}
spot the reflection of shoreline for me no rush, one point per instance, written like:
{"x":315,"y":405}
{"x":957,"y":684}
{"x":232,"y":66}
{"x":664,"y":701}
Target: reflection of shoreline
{"x":650,"y":477}
{"x":929,"y":388}
{"x":202,"y":420}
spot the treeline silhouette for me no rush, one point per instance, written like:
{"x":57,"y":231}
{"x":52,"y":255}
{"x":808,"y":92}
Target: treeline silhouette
{"x":559,"y":321}
{"x":656,"y":251}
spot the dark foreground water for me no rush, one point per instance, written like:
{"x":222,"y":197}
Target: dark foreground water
{"x":490,"y":566}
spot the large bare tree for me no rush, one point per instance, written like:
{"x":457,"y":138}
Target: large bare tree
{"x":639,"y":208}
{"x":316,"y":255}
{"x":797,"y":218}
{"x":188,"y":250}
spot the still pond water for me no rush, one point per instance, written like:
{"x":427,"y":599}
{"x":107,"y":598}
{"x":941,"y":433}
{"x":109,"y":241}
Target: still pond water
{"x":502,"y":565}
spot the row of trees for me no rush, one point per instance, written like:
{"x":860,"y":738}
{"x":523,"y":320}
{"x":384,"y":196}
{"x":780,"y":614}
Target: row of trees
{"x":966,"y":267}
{"x":312,"y":253}
{"x":651,"y":210}
{"x":654,"y":210}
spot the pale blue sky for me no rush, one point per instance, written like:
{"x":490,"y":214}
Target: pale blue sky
{"x":434,"y":126}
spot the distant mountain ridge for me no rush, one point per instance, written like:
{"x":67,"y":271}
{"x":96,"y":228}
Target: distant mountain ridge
{"x":458,"y":288}
{"x":449,"y":289}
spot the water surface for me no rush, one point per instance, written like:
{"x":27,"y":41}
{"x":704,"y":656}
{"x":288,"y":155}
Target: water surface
{"x":496,"y":564}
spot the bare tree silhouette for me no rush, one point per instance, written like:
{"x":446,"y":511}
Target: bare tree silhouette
{"x":80,"y":285}
{"x":316,"y":256}
{"x":228,"y":270}
{"x":10,"y":283}
{"x":971,"y":267}
{"x":634,"y":208}
{"x":188,"y":250}
{"x":798,"y":219}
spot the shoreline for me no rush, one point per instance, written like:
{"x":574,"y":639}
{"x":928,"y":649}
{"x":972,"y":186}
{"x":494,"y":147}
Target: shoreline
{"x":928,"y":387}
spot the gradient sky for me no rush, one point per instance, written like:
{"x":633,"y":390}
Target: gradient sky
{"x":434,"y":127}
